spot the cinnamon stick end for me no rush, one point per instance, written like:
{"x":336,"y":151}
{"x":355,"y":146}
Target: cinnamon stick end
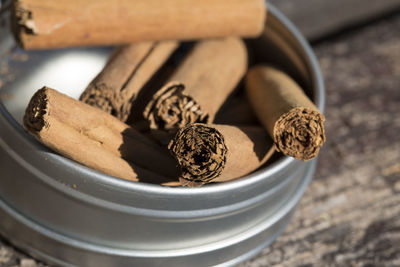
{"x":201,"y":153}
{"x":190,"y":183}
{"x":300,"y":133}
{"x":103,"y":97}
{"x":171,"y":109}
{"x":34,"y":120}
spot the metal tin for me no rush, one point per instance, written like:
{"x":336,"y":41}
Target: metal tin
{"x":66,"y":214}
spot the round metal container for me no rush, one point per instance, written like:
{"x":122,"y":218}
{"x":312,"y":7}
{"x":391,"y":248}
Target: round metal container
{"x":66,"y":214}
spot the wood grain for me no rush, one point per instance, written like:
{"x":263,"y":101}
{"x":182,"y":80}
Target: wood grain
{"x":350,"y":214}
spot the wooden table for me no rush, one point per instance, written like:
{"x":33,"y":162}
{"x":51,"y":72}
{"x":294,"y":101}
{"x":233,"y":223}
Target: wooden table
{"x":350,"y":214}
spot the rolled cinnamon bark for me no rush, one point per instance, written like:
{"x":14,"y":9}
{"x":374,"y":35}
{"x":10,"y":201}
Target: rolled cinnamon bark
{"x":200,"y":85}
{"x":126,"y":72}
{"x":237,"y":111}
{"x":95,"y":139}
{"x":160,"y":137}
{"x":290,"y":117}
{"x":219,"y":153}
{"x":43,"y":24}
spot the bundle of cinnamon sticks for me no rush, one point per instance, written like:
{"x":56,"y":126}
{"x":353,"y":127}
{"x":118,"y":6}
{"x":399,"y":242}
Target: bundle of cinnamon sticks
{"x":168,"y":112}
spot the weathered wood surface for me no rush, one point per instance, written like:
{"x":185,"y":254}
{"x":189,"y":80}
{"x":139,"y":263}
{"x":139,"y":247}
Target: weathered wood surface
{"x":350,"y":214}
{"x":319,"y":18}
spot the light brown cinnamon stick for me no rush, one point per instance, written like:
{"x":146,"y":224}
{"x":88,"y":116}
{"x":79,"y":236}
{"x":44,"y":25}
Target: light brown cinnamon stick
{"x":43,"y":24}
{"x":95,"y":138}
{"x":219,"y":153}
{"x":290,"y":117}
{"x":200,"y":85}
{"x":126,"y":72}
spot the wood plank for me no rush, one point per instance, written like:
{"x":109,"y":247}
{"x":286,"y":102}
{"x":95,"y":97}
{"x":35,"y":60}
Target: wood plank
{"x":318,"y":18}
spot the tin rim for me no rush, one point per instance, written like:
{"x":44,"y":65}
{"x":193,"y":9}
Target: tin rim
{"x":262,"y":174}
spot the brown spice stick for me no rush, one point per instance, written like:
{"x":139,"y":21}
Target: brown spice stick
{"x":42,"y":24}
{"x":219,"y":153}
{"x":200,"y":85}
{"x":290,"y":117}
{"x":161,"y":137}
{"x":237,"y":111}
{"x":126,"y":72}
{"x":89,"y":152}
{"x":94,"y":138}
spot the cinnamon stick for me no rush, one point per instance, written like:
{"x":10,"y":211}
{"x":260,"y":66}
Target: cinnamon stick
{"x":160,"y":137}
{"x":126,"y":72}
{"x":290,"y":117}
{"x":236,"y":111}
{"x":43,"y":24}
{"x":199,"y":86}
{"x":219,"y":153}
{"x":95,"y":139}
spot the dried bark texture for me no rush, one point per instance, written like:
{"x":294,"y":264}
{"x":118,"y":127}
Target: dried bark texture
{"x":43,"y":24}
{"x":219,"y":153}
{"x":200,"y":85}
{"x":237,"y":111}
{"x":286,"y":112}
{"x":126,"y":72}
{"x":161,"y":137}
{"x":95,"y":138}
{"x":201,"y":153}
{"x":170,"y":108}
